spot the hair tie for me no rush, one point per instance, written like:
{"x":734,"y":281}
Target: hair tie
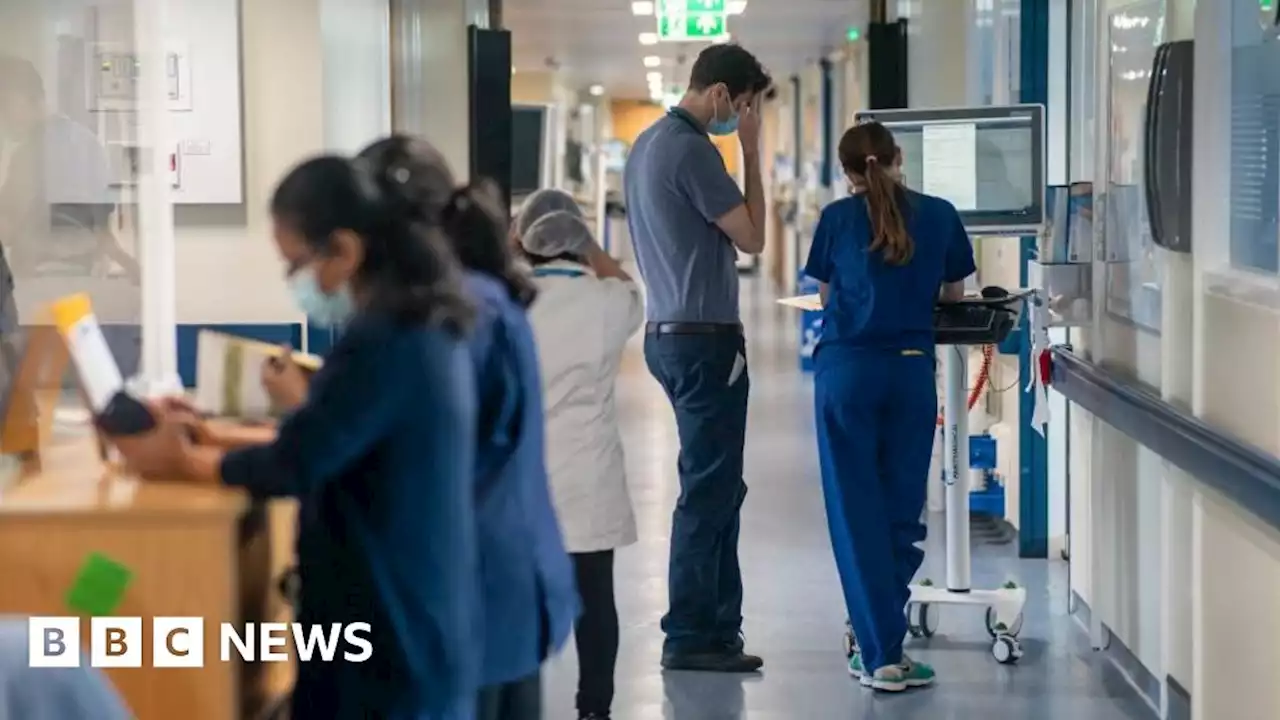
{"x":872,"y":160}
{"x":460,"y":199}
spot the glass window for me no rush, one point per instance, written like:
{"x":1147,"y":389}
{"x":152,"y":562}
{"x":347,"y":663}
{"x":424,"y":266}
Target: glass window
{"x":1255,"y":136}
{"x":1084,"y":79}
{"x":1133,"y":282}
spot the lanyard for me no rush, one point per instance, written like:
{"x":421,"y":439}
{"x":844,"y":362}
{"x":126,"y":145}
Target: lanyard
{"x":557,"y":272}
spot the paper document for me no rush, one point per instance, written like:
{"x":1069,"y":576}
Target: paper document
{"x":949,"y":155}
{"x":99,"y":374}
{"x":803,"y":302}
{"x":229,"y":375}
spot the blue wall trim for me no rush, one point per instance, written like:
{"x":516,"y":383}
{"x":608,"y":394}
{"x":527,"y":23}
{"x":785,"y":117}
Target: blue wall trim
{"x":276,"y":334}
{"x":125,"y":342}
{"x":1033,"y":448}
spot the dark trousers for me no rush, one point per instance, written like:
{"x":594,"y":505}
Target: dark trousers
{"x":705,"y":378}
{"x":596,"y":634}
{"x":876,"y":414}
{"x":518,"y":700}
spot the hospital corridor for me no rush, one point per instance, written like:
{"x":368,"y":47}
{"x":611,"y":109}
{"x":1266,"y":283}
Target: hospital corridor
{"x":639,"y":359}
{"x":794,"y":615}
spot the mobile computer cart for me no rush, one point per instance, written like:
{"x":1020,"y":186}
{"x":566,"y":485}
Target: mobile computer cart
{"x":971,"y":321}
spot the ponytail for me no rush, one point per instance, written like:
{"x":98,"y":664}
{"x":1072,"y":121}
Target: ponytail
{"x":475,"y":223}
{"x":868,"y":153}
{"x":471,"y":218}
{"x":885,"y":199}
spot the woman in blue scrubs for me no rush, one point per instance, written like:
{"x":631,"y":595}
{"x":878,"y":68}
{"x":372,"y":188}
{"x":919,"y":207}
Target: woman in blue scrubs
{"x":380,"y":454}
{"x":529,"y":597}
{"x":884,"y":257}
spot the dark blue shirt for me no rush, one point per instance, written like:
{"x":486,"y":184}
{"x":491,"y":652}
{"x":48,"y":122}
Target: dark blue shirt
{"x":529,"y":596}
{"x":381,"y":458}
{"x":676,"y":188}
{"x":870,"y":303}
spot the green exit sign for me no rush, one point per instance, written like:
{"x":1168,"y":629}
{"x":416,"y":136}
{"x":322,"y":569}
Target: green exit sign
{"x":690,"y":7}
{"x":703,"y":27}
{"x":1267,"y":4}
{"x":692,"y":20}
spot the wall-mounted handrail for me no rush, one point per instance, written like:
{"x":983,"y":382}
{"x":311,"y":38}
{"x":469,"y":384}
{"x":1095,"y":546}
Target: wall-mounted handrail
{"x":1241,"y":472}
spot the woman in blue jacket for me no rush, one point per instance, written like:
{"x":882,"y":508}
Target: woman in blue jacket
{"x":527,"y":579}
{"x":883,"y":257}
{"x":380,"y":454}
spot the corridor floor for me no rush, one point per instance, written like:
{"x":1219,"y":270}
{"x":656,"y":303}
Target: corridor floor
{"x":794,"y":614}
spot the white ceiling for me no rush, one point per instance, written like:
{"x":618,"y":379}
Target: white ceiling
{"x":597,"y":41}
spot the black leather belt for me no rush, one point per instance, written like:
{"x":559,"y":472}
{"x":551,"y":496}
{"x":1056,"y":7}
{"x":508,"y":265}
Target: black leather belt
{"x":692,"y":328}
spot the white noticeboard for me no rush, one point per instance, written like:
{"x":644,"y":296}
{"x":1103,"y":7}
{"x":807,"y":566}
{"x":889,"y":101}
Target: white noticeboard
{"x":202,"y":72}
{"x":951,"y":163}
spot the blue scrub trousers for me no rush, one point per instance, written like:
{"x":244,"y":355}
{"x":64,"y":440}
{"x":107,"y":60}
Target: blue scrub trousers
{"x":876,"y":413}
{"x":697,"y":371}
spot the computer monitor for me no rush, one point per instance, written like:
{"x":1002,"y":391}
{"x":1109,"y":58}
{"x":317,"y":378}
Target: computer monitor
{"x":532,"y":142}
{"x":988,"y":161}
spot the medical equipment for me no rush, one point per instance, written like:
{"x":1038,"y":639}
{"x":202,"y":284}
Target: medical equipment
{"x":986,"y":321}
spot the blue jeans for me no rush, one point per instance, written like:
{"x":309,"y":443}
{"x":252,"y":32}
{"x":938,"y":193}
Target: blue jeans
{"x":705,"y":378}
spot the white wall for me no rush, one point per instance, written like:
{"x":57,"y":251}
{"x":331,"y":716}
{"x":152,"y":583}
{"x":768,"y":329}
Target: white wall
{"x":356,"y":41}
{"x":227,"y":267}
{"x":1236,"y":385}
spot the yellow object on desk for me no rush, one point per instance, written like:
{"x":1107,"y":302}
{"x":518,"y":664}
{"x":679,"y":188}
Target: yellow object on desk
{"x":803,"y":302}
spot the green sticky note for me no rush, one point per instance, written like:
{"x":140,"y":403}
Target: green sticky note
{"x":99,"y":586}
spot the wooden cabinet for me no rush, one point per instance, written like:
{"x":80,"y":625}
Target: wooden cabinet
{"x":192,"y":551}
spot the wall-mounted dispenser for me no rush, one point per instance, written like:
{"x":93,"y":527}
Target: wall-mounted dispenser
{"x":1167,"y":160}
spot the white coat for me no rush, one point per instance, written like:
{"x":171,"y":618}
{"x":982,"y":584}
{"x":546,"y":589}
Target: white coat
{"x":582,"y":324}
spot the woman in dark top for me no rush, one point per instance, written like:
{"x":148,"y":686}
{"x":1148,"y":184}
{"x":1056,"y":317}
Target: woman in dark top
{"x":883,"y":258}
{"x":381,"y":453}
{"x":527,"y":580}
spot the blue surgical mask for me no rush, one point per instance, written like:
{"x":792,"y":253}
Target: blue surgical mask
{"x":728,"y":126}
{"x":330,"y":310}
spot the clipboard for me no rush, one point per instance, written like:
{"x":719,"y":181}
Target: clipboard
{"x":811,"y":303}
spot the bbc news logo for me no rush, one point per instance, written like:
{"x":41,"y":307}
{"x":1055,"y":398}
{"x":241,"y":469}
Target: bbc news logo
{"x":179,"y":642}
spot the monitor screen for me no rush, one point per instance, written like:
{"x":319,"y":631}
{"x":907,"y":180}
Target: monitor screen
{"x":989,"y":162}
{"x":527,"y":128}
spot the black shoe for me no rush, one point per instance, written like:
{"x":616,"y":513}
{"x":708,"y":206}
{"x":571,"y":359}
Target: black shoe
{"x":594,"y":716}
{"x":721,"y":662}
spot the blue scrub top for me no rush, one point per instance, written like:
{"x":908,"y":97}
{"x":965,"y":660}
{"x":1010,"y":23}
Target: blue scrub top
{"x":381,"y":458}
{"x":530,"y":598}
{"x":874,"y":305}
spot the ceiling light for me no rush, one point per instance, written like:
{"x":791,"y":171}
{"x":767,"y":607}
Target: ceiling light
{"x":641,"y":8}
{"x":733,"y":7}
{"x":652,"y":61}
{"x":596,"y":90}
{"x":654,"y":76}
{"x":648,"y":38}
{"x":722,"y":39}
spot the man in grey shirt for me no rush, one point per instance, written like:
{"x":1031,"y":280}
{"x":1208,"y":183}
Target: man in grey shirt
{"x":688,"y":219}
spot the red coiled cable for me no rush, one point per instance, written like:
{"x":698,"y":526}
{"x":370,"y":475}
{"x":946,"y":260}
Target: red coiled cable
{"x":984,"y":374}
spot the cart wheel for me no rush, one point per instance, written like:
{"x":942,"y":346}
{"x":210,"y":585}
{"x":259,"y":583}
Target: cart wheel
{"x":1006,"y":649}
{"x":922,"y":620}
{"x":995,"y":629}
